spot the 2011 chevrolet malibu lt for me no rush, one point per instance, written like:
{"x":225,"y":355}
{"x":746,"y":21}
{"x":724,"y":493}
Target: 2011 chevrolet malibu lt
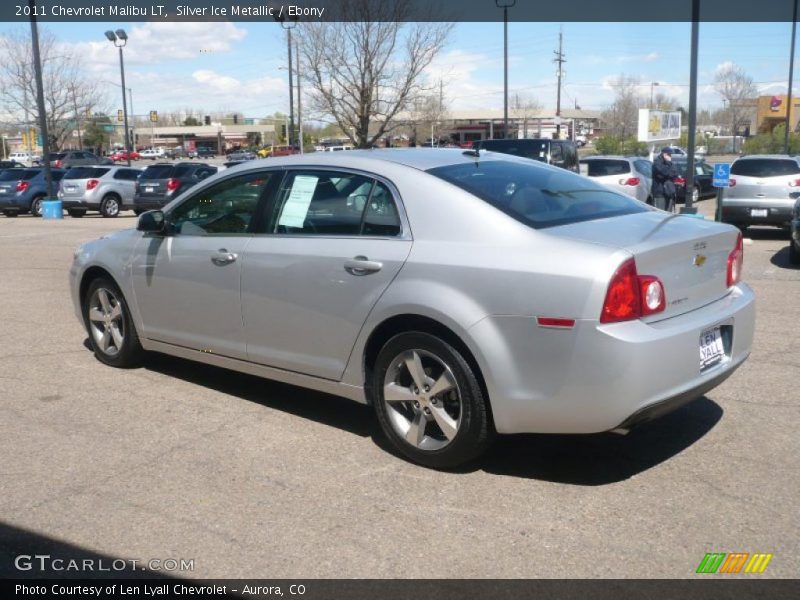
{"x":461,"y":294}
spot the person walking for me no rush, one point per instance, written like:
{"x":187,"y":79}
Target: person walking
{"x":664,"y":175}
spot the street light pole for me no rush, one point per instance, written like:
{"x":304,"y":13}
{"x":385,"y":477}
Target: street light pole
{"x":37,"y":66}
{"x":288,"y":25}
{"x":119,"y":38}
{"x":688,"y":208}
{"x":791,"y":75}
{"x":505,"y":5}
{"x":652,"y":84}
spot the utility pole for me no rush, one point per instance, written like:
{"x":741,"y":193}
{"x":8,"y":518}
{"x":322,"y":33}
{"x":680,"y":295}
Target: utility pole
{"x":559,"y":60}
{"x":505,"y":5}
{"x":688,"y":208}
{"x":37,"y":67}
{"x":77,"y":122}
{"x":791,"y":75}
{"x":299,"y":101}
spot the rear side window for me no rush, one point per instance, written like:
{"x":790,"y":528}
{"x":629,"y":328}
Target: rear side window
{"x":127,"y":174}
{"x":765,"y":167}
{"x":645,"y":167}
{"x":12,"y":175}
{"x":157,"y":172}
{"x":600,"y":168}
{"x":85,"y":173}
{"x":538,"y":197}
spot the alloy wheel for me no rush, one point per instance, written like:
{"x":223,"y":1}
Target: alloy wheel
{"x":422,"y":399}
{"x":106,"y":321}
{"x":111,"y":207}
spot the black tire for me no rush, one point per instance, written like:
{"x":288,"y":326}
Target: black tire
{"x":75,"y":214}
{"x":110,"y":206}
{"x":474,"y":430}
{"x":11,"y":213}
{"x":794,"y":253}
{"x":36,"y":206}
{"x":129,"y":353}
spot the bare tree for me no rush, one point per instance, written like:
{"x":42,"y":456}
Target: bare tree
{"x":622,"y":117}
{"x":525,"y":107}
{"x":663,"y":101}
{"x":68,"y":95}
{"x":370,"y":66}
{"x":738,"y":90}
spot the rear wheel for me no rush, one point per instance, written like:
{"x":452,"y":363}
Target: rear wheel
{"x":429,"y":402}
{"x":695,"y":194}
{"x":108,"y":320}
{"x":109,"y":206}
{"x":36,"y":206}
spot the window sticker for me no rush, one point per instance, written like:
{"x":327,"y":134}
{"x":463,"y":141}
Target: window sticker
{"x":296,"y":206}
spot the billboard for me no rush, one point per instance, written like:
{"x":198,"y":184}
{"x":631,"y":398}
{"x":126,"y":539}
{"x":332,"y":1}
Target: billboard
{"x":655,"y":125}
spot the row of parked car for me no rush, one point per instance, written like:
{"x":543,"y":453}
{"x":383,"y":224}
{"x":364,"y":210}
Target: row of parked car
{"x":107,"y":189}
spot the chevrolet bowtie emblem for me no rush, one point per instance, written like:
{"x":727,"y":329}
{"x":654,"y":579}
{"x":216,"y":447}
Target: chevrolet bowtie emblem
{"x":699,"y":260}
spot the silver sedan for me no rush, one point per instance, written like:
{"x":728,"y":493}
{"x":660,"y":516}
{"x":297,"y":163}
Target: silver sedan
{"x":460,"y":293}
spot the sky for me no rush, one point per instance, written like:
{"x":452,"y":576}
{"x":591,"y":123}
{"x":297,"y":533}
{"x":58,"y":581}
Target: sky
{"x":242,"y":66}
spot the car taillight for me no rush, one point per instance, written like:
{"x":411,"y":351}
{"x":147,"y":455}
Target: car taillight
{"x":58,"y":164}
{"x":172,"y":184}
{"x":630,"y":181}
{"x":91,"y":184}
{"x":680,"y":181}
{"x":22,"y":185}
{"x":731,"y":182}
{"x":632,"y":296}
{"x":794,"y":183}
{"x":735,"y":260}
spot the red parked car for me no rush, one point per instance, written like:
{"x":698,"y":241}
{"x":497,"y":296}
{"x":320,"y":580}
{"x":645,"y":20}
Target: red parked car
{"x":121,"y":155}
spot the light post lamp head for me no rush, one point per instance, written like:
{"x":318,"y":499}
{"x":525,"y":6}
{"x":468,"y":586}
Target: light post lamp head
{"x":112,"y":37}
{"x":118,"y":36}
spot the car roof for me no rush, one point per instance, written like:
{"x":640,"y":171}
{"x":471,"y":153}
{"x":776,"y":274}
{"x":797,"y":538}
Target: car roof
{"x":614,"y":157}
{"x":768,"y":156}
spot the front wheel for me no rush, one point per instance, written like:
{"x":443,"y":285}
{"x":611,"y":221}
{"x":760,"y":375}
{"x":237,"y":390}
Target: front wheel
{"x":429,"y":402}
{"x":108,"y":320}
{"x":109,"y":207}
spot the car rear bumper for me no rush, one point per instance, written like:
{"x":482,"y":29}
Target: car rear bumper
{"x":67,"y":203}
{"x":742,"y":213}
{"x":14,"y":203}
{"x":595,"y":378}
{"x":150,"y":203}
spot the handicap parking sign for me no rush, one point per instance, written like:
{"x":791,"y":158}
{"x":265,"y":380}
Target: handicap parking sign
{"x":722,"y":175}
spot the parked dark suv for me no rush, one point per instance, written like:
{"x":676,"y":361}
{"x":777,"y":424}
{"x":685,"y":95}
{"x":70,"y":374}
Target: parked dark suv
{"x":160,"y":183}
{"x":559,"y":153}
{"x":22,"y":190}
{"x":76,"y":158}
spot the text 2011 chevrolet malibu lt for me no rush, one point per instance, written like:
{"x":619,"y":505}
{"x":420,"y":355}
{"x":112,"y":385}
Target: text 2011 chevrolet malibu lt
{"x":462,"y":294}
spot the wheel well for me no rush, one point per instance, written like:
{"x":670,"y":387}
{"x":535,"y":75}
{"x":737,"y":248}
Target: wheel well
{"x":111,"y":194}
{"x":89,"y":276}
{"x":403,"y":323}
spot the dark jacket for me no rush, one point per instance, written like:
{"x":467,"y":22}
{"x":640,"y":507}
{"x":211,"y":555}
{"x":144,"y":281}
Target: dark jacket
{"x":664,"y":175}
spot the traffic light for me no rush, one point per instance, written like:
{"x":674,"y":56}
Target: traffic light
{"x":33,"y":137}
{"x":25,"y":143}
{"x":207,"y":120}
{"x":120,"y":116}
{"x":235,"y":119}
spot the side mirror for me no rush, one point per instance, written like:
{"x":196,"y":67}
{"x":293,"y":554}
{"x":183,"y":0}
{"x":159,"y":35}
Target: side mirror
{"x":152,"y":221}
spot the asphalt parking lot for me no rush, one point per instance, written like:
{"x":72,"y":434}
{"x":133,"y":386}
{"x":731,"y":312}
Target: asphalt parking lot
{"x":251,"y":478}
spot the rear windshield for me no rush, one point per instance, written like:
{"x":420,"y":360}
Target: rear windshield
{"x":537,"y":196}
{"x":535,"y":149}
{"x":599,"y":168}
{"x":85,"y":173}
{"x":57,"y":155}
{"x":14,"y":175}
{"x":765,"y":167}
{"x":157,"y":172}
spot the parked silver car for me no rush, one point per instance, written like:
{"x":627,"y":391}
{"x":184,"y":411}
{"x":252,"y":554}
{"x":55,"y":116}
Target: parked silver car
{"x":763,"y":190}
{"x":106,"y":189}
{"x":631,"y":175}
{"x":460,"y":293}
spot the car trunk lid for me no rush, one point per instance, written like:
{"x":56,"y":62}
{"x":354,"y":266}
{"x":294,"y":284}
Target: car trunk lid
{"x":689,"y":256}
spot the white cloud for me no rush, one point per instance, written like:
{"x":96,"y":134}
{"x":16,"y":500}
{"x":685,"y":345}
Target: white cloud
{"x":651,"y":57}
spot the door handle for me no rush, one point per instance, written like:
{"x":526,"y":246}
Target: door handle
{"x":223,"y":257}
{"x":361,"y":265}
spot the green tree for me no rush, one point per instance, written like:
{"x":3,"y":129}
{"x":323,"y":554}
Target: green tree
{"x":94,"y":134}
{"x":191,"y":122}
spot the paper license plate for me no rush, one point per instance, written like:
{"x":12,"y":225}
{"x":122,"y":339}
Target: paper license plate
{"x":758,"y":212}
{"x":711,"y":349}
{"x":148,"y":190}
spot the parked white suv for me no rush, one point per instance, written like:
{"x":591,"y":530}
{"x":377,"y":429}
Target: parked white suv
{"x":152,"y":153}
{"x":25,"y":158}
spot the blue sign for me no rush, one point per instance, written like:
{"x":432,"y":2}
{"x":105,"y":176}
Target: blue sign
{"x":722,"y":175}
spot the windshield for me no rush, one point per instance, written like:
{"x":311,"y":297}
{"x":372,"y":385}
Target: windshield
{"x":538,"y":196}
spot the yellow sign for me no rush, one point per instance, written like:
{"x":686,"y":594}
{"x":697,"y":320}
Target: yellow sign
{"x":120,"y":116}
{"x":154,"y":116}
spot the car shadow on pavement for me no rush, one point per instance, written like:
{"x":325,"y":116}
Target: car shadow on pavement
{"x":27,"y":545}
{"x":309,"y":404}
{"x":603,"y":458}
{"x":596,"y":459}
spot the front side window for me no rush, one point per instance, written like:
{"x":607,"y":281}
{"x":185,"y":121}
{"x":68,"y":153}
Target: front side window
{"x":334,"y":203}
{"x":225,"y":208}
{"x":535,"y":196}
